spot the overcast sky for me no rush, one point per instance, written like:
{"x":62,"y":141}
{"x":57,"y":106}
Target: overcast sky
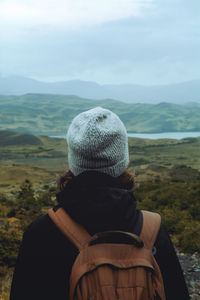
{"x":107,"y":41}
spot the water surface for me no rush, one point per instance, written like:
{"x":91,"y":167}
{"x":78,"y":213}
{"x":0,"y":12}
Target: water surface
{"x":156,"y":136}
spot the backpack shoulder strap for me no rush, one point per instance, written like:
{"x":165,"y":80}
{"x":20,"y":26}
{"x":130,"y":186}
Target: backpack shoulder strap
{"x":72,"y":230}
{"x":150,"y":228}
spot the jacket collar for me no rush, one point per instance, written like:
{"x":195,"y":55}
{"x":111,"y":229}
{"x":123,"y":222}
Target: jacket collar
{"x":99,"y":202}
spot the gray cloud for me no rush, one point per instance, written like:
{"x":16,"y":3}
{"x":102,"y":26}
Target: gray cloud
{"x":161,"y":46}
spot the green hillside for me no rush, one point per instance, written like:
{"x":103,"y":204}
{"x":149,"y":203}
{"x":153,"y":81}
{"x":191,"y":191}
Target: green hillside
{"x":25,"y":156}
{"x":51,"y":114}
{"x":8,"y":138}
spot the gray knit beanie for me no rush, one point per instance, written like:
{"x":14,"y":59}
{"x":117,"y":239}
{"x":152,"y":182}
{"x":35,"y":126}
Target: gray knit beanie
{"x":97,"y":140}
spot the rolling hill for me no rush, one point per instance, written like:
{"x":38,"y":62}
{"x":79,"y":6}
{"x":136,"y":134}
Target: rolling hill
{"x":51,"y":114}
{"x":9,"y":138}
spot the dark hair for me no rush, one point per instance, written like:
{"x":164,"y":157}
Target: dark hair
{"x":64,"y":179}
{"x":126,"y":178}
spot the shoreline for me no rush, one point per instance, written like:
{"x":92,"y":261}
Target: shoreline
{"x":155,"y":136}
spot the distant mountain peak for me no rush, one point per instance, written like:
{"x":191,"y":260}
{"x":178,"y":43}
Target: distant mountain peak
{"x":180,"y":93}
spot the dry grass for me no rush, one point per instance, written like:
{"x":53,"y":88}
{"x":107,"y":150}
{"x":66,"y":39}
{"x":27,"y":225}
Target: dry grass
{"x":13,"y":175}
{"x":5,"y":286}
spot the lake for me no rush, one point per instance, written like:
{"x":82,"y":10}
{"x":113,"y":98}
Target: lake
{"x":165,"y":135}
{"x":156,"y":136}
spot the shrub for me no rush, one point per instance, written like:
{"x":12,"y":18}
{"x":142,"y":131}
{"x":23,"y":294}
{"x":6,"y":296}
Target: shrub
{"x":25,"y":197}
{"x":178,"y":204}
{"x":189,"y":239}
{"x":10,"y":239}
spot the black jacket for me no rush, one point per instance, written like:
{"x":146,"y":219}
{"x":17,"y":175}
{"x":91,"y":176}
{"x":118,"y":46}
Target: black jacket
{"x":99,"y":202}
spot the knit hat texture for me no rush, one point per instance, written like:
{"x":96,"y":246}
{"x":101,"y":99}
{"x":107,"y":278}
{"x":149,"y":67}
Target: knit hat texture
{"x":97,"y":140}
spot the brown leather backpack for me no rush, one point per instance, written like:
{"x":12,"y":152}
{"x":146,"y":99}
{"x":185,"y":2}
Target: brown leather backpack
{"x":114,"y":264}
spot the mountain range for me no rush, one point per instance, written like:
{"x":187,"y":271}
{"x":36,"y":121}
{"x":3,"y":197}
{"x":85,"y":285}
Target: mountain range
{"x":180,"y":93}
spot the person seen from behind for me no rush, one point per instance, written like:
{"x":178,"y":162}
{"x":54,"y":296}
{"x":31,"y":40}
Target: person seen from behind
{"x":95,"y":198}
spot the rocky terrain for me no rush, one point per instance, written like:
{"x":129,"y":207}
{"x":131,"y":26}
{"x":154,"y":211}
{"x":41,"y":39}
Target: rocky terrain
{"x":191,"y":268}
